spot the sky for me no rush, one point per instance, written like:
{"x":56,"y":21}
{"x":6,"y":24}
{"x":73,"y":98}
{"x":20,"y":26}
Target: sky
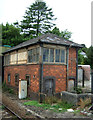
{"x":73,"y":15}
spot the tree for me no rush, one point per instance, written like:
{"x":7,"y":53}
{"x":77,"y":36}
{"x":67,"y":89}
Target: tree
{"x":11,"y":35}
{"x":38,"y":19}
{"x":66,"y":34}
{"x":56,"y":31}
{"x":81,"y":59}
{"x":90,"y":56}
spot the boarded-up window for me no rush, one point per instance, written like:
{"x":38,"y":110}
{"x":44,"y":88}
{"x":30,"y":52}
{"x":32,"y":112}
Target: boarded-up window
{"x":7,"y":60}
{"x":57,"y":55}
{"x":9,"y":79}
{"x":45,"y":54}
{"x":51,"y":55}
{"x":16,"y":78}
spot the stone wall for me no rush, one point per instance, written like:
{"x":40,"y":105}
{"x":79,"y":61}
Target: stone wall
{"x":73,"y":98}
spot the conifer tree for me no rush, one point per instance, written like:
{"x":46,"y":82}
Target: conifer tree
{"x":37,"y":19}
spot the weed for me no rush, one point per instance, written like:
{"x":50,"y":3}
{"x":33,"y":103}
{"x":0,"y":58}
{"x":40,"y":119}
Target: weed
{"x":78,"y":90}
{"x":54,"y":107}
{"x":76,"y":112}
{"x":50,"y":100}
{"x":6,"y":88}
{"x":65,"y":104}
{"x":2,"y":107}
{"x":35,"y":103}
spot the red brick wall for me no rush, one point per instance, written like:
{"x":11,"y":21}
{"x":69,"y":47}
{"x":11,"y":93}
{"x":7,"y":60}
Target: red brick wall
{"x":72,"y":62}
{"x":22,"y":70}
{"x":59,"y":72}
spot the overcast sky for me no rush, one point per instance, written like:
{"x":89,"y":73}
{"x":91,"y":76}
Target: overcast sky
{"x":74,"y":15}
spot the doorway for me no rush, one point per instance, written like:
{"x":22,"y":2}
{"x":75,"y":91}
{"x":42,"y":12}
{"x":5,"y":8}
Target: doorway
{"x":49,"y":87}
{"x":28,"y":84}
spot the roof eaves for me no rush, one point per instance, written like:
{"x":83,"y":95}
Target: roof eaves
{"x":16,"y":48}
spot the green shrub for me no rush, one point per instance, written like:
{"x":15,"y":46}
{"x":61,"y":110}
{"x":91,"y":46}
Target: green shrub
{"x":65,"y":105}
{"x":78,"y":90}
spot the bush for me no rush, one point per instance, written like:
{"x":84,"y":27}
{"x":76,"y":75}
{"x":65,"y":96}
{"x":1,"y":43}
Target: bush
{"x":78,"y":90}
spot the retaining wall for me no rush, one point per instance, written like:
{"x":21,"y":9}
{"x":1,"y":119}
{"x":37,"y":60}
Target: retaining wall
{"x":74,"y":98}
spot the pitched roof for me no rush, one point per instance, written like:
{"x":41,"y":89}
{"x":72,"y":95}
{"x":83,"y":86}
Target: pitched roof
{"x":46,"y":38}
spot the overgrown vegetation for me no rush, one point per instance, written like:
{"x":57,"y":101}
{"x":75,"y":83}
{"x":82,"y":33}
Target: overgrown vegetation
{"x":2,"y":107}
{"x":51,"y":103}
{"x":50,"y":100}
{"x":78,"y":90}
{"x":6,"y":88}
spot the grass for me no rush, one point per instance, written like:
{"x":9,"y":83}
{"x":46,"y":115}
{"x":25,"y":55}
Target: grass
{"x":54,"y":107}
{"x":2,"y":107}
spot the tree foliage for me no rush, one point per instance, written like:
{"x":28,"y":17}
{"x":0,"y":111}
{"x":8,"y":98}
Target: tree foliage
{"x":90,"y":56}
{"x":86,"y":60}
{"x":37,"y":19}
{"x":11,"y":35}
{"x":64,"y":34}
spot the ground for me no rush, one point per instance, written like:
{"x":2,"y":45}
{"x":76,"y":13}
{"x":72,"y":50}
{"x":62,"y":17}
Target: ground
{"x":15,"y":104}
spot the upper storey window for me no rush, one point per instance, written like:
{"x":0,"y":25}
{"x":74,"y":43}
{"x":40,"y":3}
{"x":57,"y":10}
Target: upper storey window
{"x":33,"y":55}
{"x":45,"y":54}
{"x":7,"y":59}
{"x":54,"y":55}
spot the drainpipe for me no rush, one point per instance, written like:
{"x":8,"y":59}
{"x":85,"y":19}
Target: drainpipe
{"x":76,"y":81}
{"x":67,"y":57}
{"x":92,"y":85}
{"x":41,"y":73}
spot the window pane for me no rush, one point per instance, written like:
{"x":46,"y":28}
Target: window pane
{"x":57,"y":55}
{"x":45,"y":54}
{"x":8,"y":77}
{"x":51,"y":55}
{"x":37,"y":54}
{"x":30,"y":56}
{"x":62,"y":55}
{"x":34,"y":55}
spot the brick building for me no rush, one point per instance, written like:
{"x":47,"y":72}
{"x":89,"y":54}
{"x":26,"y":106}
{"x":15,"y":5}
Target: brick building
{"x":47,"y":62}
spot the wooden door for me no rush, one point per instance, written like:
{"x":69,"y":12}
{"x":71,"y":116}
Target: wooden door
{"x":49,"y":87}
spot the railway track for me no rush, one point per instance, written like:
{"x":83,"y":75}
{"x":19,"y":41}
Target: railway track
{"x":5,"y":112}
